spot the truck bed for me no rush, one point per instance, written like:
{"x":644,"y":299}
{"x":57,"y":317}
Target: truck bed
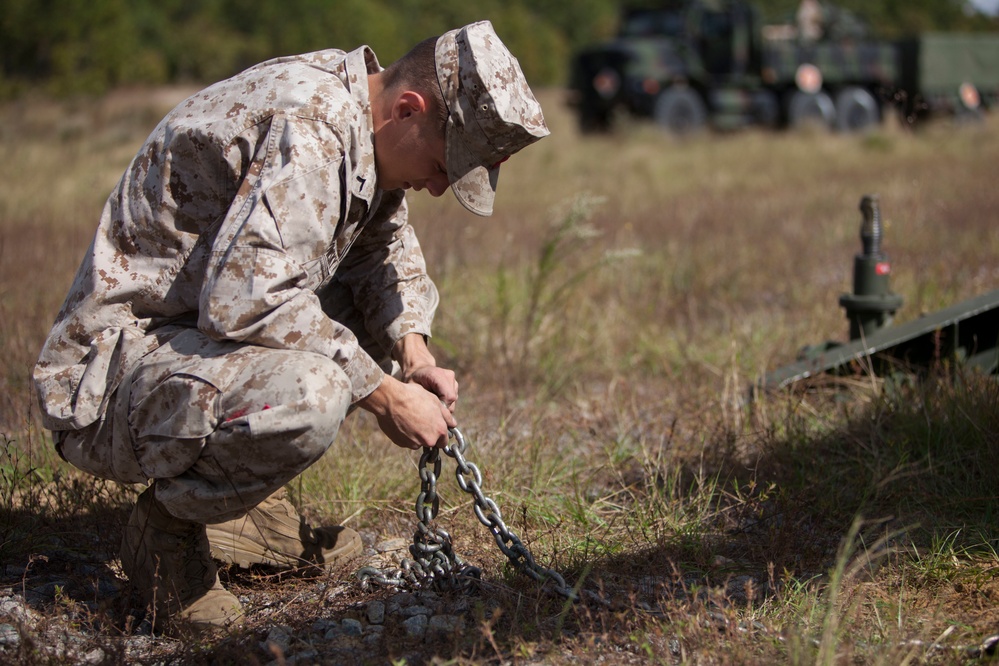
{"x":841,"y":62}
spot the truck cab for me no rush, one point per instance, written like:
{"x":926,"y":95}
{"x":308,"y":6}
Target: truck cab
{"x":684,"y":49}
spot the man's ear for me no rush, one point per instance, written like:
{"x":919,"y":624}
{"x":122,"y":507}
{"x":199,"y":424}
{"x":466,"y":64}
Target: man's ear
{"x":408,"y":103}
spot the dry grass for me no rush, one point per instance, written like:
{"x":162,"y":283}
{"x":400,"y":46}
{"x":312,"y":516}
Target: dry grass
{"x":606,"y":323}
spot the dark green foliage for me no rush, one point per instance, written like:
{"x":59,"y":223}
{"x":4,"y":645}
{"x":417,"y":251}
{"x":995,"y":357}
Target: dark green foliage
{"x":69,"y":46}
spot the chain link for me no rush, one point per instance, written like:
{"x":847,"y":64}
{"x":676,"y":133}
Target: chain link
{"x":434,"y":561}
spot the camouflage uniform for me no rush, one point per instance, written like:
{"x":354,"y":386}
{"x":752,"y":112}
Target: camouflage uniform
{"x":249,"y":279}
{"x":218,"y":329}
{"x":246,"y":285}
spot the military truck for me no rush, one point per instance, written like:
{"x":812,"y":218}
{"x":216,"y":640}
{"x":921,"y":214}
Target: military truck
{"x":699,"y":62}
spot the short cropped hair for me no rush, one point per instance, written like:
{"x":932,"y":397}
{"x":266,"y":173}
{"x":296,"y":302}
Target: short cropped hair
{"x":417,"y":71}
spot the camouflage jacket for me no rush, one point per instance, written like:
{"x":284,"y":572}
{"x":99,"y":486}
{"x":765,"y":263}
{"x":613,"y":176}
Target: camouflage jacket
{"x":243,"y":202}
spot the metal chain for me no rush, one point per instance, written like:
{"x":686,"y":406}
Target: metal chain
{"x":435,"y":564}
{"x":469,"y":479}
{"x":434,"y":561}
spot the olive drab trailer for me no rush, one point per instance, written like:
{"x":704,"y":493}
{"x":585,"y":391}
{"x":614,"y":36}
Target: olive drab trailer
{"x":690,"y":64}
{"x":965,"y":333}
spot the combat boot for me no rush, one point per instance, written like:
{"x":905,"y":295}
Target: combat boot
{"x":274,"y":534}
{"x":169,"y":563}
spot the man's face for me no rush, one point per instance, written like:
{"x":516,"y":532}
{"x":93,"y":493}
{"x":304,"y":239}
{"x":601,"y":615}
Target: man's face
{"x":409,"y":154}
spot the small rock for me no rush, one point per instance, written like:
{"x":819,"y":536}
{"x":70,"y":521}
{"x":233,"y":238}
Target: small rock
{"x":415,"y":610}
{"x":106,"y":588}
{"x":9,"y":636}
{"x":15,"y":608}
{"x":95,"y":656}
{"x":391,"y":545}
{"x":458,"y":606}
{"x":445,"y":624}
{"x":279,"y":638}
{"x":429,"y":597}
{"x":45,"y":591}
{"x":322,"y":625}
{"x":741,"y":590}
{"x":306,"y":657}
{"x":352,"y":627}
{"x":398,"y":601}
{"x":376,"y":612}
{"x":416,"y":626}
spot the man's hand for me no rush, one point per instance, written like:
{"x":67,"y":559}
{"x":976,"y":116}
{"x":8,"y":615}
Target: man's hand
{"x":418,"y":411}
{"x":419,"y":366}
{"x":439,"y":381}
{"x":409,"y":414}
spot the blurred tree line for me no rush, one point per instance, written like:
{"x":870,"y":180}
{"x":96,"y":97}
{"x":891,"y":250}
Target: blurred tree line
{"x":88,"y":46}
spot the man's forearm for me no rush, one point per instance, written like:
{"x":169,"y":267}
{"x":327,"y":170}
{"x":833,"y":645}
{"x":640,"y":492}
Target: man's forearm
{"x":411,"y":353}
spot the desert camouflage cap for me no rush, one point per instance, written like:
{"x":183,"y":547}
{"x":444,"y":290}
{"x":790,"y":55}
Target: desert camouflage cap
{"x":492,"y":112}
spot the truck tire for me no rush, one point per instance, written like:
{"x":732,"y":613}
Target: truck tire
{"x":594,"y":121}
{"x":810,"y":108}
{"x":856,"y":110}
{"x":765,"y":108}
{"x":680,"y":110}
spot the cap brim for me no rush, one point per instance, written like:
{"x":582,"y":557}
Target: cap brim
{"x":472,"y":183}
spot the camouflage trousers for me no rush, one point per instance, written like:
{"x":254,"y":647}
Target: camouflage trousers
{"x":219,"y":426}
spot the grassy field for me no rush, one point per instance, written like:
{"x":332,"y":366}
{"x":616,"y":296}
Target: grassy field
{"x":606,"y":325}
